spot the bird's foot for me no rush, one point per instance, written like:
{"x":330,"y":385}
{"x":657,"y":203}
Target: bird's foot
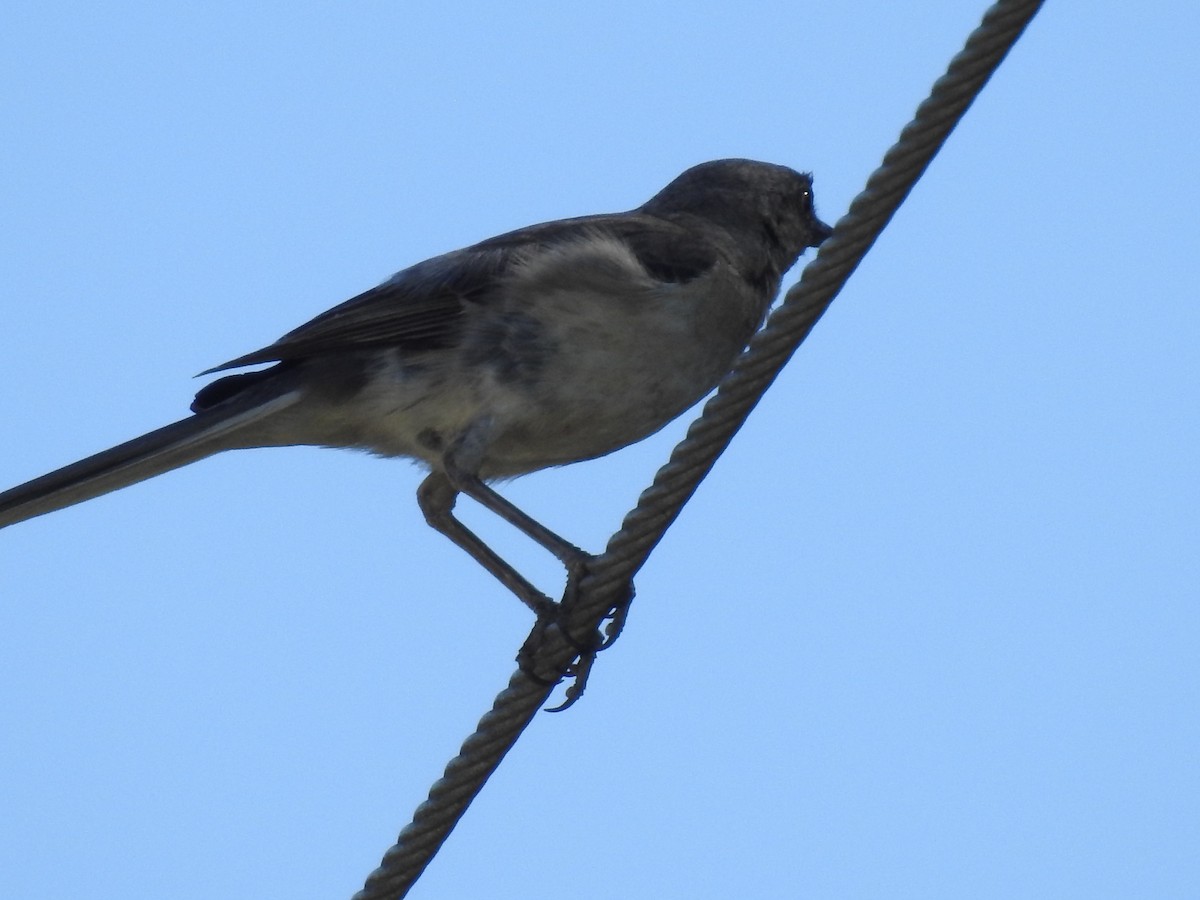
{"x":585,"y":647}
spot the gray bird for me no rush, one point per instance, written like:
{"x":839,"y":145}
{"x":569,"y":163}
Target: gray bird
{"x":548,"y":345}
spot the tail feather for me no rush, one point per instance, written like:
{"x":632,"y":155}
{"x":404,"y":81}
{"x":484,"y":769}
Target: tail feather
{"x":167,"y":448}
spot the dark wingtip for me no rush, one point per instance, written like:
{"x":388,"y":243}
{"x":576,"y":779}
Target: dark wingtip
{"x":250,"y":359}
{"x":225,"y":388}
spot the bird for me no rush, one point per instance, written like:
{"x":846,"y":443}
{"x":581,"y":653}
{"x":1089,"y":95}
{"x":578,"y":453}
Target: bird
{"x":548,"y":345}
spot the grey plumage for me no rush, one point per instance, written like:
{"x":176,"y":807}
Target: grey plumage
{"x":547,"y":345}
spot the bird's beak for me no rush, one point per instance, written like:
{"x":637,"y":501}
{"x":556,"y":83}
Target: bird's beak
{"x":820,"y":231}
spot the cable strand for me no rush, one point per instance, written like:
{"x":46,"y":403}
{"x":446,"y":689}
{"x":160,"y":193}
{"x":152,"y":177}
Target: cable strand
{"x":610,"y":574}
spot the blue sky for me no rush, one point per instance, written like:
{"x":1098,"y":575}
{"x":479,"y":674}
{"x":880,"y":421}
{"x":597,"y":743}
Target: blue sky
{"x":928,"y":630}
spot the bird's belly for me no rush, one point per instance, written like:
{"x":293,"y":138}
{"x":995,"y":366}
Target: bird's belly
{"x":573,"y":383}
{"x":605,"y":387}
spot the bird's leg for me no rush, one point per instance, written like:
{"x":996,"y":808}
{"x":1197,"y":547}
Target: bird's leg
{"x":471,"y":485}
{"x":436,"y":497}
{"x":458,"y":474}
{"x":461,"y":464}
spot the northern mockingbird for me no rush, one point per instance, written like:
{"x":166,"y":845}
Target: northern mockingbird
{"x":548,"y":345}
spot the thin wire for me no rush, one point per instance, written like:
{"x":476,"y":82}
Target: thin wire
{"x":610,"y":575}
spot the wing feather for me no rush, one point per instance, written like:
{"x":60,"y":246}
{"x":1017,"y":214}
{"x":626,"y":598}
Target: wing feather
{"x":423,"y":307}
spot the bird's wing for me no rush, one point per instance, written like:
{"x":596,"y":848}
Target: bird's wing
{"x":419,"y":308}
{"x":422,"y":307}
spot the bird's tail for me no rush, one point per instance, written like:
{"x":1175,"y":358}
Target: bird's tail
{"x":210,"y":431}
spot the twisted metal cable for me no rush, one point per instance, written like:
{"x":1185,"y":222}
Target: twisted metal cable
{"x":610,"y":575}
{"x":803,"y":305}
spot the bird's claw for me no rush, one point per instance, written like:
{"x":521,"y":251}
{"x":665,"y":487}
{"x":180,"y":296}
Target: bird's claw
{"x":585,"y":648}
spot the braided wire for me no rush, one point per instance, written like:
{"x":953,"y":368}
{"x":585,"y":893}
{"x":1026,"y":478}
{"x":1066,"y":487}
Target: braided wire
{"x":610,"y":575}
{"x":804,"y":304}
